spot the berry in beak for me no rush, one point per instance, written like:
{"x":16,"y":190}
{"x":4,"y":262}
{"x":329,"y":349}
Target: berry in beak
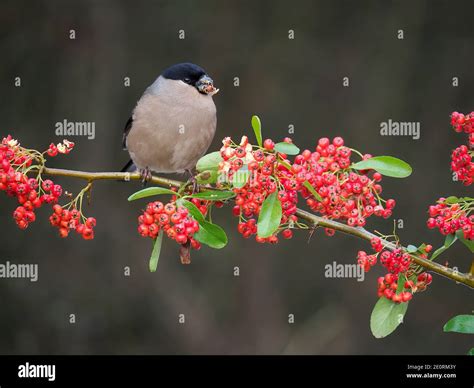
{"x":205,"y":85}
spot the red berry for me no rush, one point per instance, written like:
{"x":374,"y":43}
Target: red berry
{"x":268,"y":144}
{"x":80,"y":228}
{"x":57,"y":190}
{"x":195,"y":244}
{"x":47,"y":185}
{"x":30,"y":216}
{"x":329,"y":232}
{"x":181,"y":238}
{"x":170,"y":208}
{"x":338,"y":141}
{"x":388,"y":293}
{"x":87,"y":233}
{"x":377,"y":177}
{"x":323,"y":142}
{"x":397,"y":298}
{"x":143,"y":230}
{"x":63,"y":232}
{"x":91,"y":222}
{"x":406,"y":296}
{"x":273,"y":239}
{"x":22,"y":224}
{"x":389,"y":278}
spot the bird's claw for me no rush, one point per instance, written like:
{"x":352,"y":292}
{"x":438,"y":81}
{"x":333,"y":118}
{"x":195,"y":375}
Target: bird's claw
{"x":145,"y":175}
{"x":192,"y":181}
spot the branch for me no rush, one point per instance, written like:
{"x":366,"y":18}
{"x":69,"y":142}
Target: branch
{"x":466,"y":279}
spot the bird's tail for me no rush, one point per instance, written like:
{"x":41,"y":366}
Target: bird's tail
{"x":129,"y":167}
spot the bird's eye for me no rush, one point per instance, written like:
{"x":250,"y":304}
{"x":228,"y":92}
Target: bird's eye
{"x":187,"y":80}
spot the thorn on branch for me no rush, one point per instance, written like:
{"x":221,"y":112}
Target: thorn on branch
{"x":312,"y":230}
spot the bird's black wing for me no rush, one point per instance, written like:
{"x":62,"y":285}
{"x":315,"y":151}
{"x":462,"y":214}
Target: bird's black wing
{"x":129,"y":167}
{"x":126,"y":130}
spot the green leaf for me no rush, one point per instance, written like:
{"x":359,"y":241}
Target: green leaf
{"x":270,"y":216}
{"x":209,"y":162}
{"x":211,"y":234}
{"x":385,"y":165}
{"x":312,"y":190}
{"x":193,"y":210}
{"x":448,"y":241}
{"x":452,"y":199}
{"x":285,"y":164}
{"x":402,"y":278}
{"x":240,"y":178}
{"x":386,"y":316}
{"x":257,"y":128}
{"x":149,"y":192}
{"x":287,"y":148}
{"x":471,"y":352}
{"x":460,"y":324}
{"x":155,"y":253}
{"x":212,"y":177}
{"x":468,"y":243}
{"x":213,"y":195}
{"x":422,"y":247}
{"x":411,"y":249}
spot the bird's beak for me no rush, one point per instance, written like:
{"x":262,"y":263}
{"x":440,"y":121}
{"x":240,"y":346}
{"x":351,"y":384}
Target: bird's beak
{"x":205,"y":85}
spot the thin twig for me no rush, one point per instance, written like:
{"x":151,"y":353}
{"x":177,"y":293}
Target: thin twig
{"x":466,"y":279}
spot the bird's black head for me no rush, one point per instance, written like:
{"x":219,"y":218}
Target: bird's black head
{"x":192,"y":75}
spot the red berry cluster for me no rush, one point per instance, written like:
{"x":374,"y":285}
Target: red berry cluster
{"x":464,"y":123}
{"x":449,"y":218}
{"x":66,"y":220}
{"x":423,"y":280}
{"x":395,"y":261}
{"x":461,"y":158}
{"x":346,"y":195}
{"x":249,"y":228}
{"x":462,"y":165}
{"x":32,"y":193}
{"x":398,"y":264}
{"x":366,"y":261}
{"x":175,"y":221}
{"x":343,"y":193}
{"x":387,"y":287}
{"x":62,"y":148}
{"x":29,"y":194}
{"x":267,"y":176}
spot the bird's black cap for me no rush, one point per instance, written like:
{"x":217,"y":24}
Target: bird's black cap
{"x":186,"y":72}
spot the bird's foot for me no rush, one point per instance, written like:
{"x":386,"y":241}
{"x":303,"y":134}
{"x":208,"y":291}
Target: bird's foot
{"x":192,"y":181}
{"x":145,"y":175}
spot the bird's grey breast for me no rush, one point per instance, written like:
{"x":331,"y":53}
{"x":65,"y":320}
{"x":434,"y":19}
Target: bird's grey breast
{"x":173,"y":126}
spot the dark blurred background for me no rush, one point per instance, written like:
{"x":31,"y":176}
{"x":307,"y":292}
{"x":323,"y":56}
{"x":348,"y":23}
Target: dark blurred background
{"x":286,"y":82}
